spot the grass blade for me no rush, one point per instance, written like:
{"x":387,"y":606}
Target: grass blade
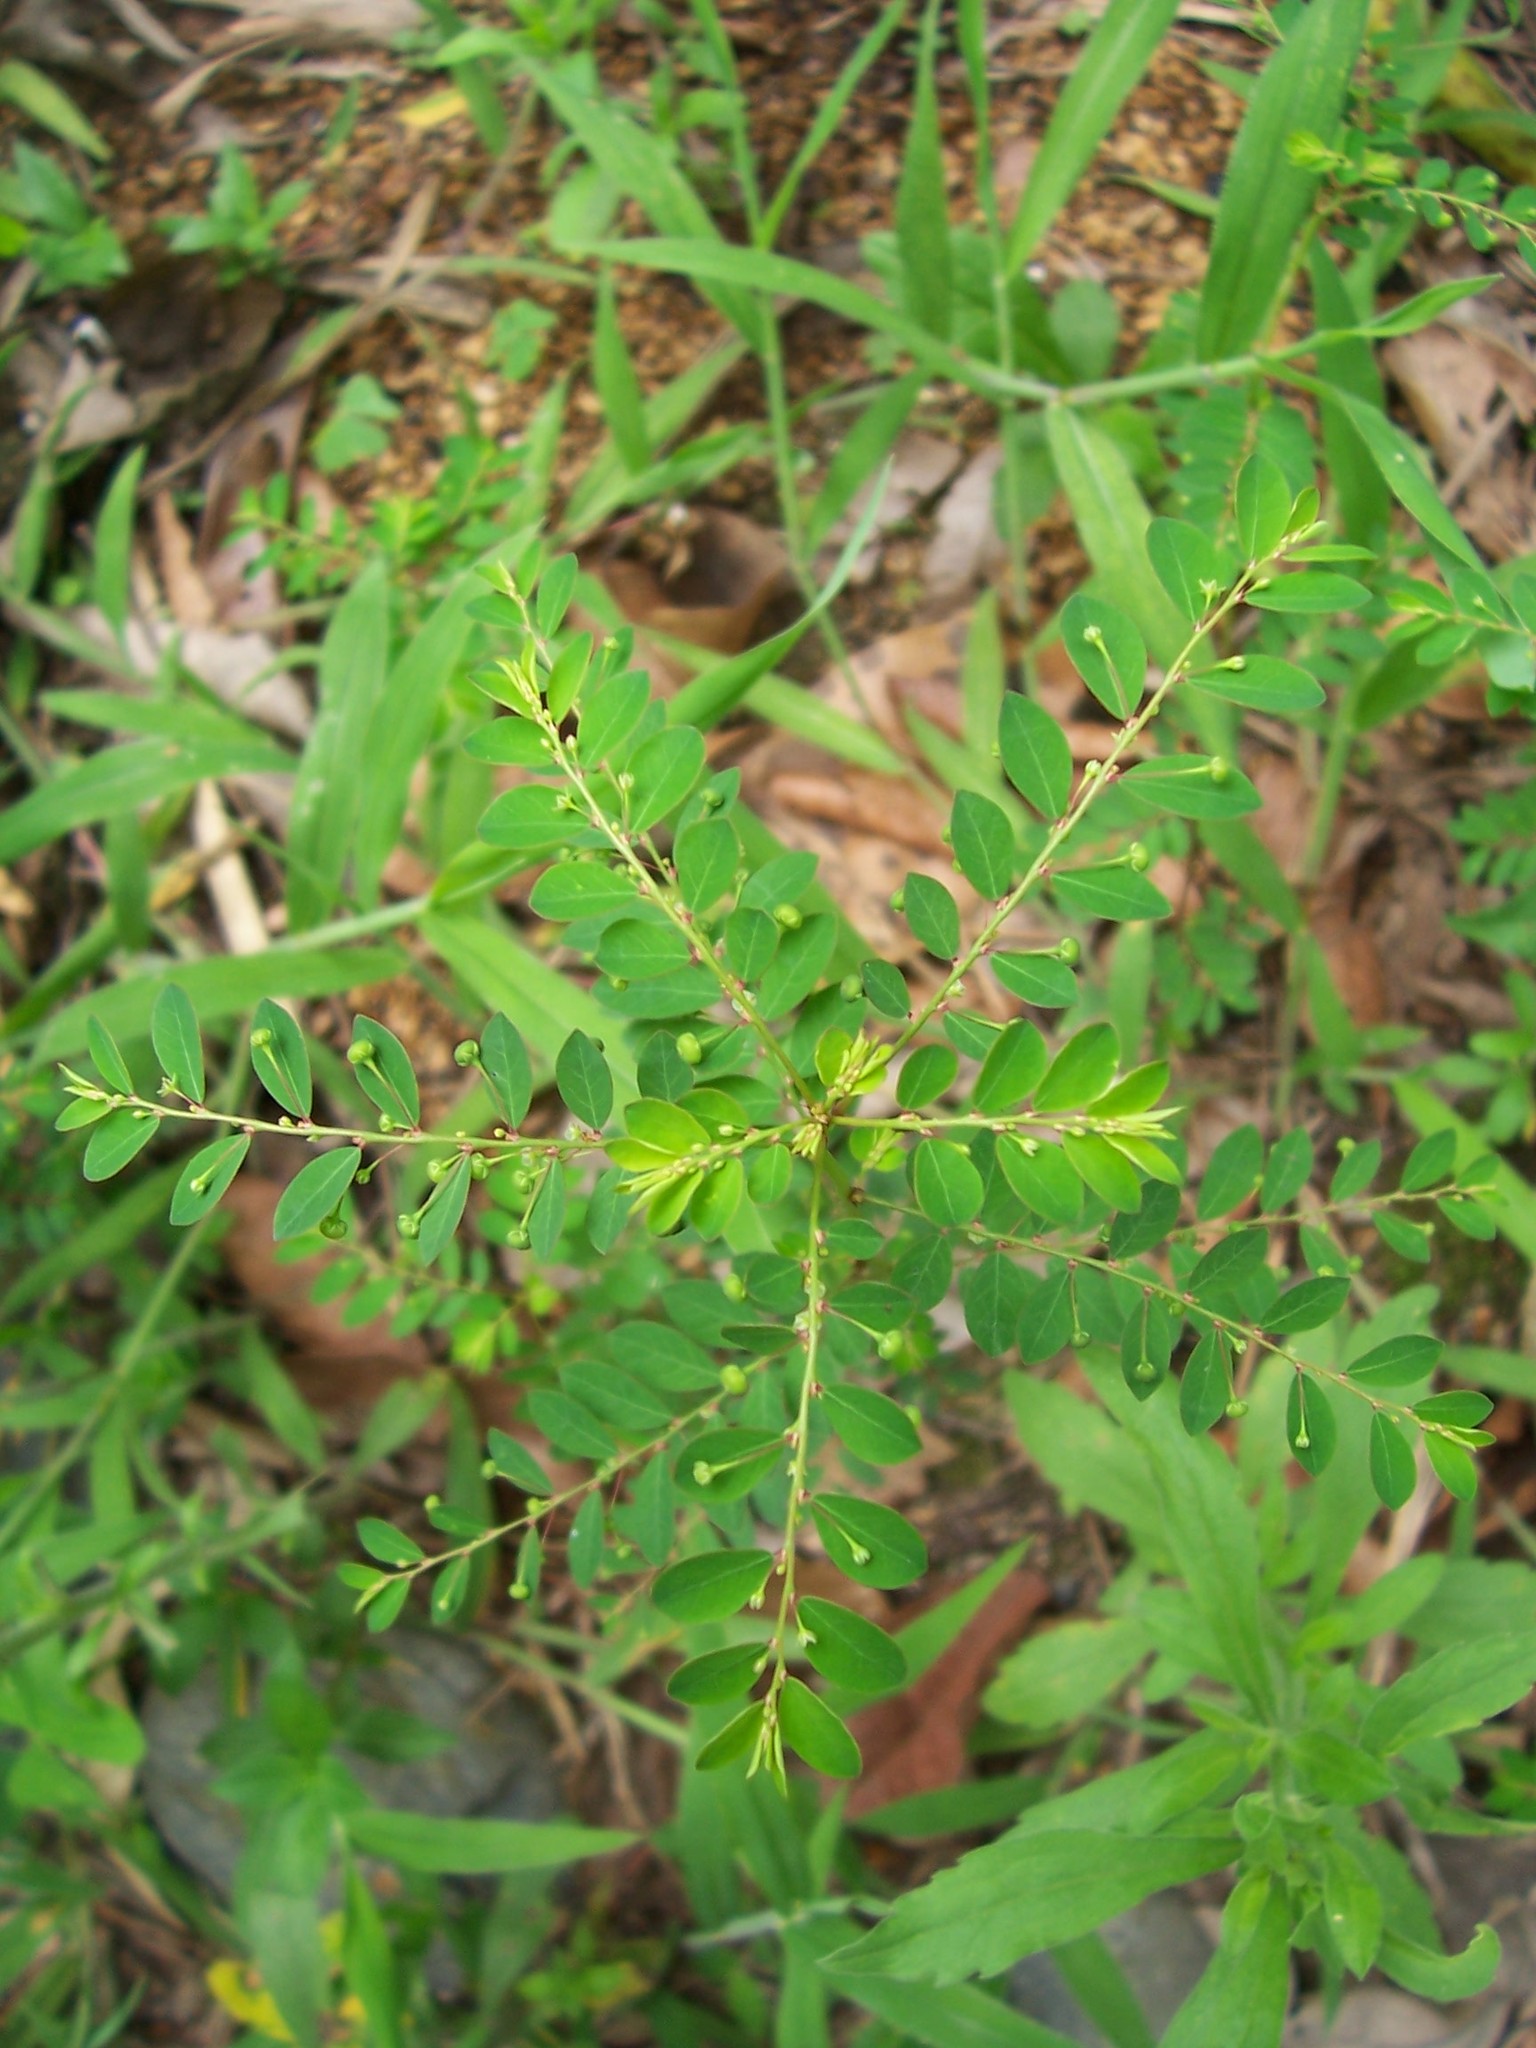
{"x":618,"y":387}
{"x":328,"y":788}
{"x":922,"y":204}
{"x":1113,"y":60}
{"x":828,"y":115}
{"x":1266,"y":198}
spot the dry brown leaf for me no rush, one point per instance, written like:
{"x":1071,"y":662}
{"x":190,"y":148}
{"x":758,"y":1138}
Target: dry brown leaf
{"x":916,"y":1741}
{"x":701,"y":575}
{"x":966,"y":549}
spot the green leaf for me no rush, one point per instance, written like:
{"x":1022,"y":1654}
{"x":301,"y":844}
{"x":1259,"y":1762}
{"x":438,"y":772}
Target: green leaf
{"x":1266,"y":198}
{"x":573,"y":889}
{"x":1107,"y":652}
{"x":569,"y":1426}
{"x":1432,"y":1159}
{"x":1307,"y":1305}
{"x":1065,"y":1672}
{"x":1400,"y":1362}
{"x":1027,"y":1892}
{"x":718,"y":1676}
{"x":635,"y":949}
{"x":869,"y":1543}
{"x":1104,"y":1168}
{"x":925,"y":1075}
{"x":387,"y":1543}
{"x":711,"y":1587}
{"x":584,"y":1082}
{"x":516,"y":1463}
{"x":1458,"y":1688}
{"x":725,"y":1464}
{"x":1430,"y":1974}
{"x":1310,"y":591}
{"x":120,"y":779}
{"x":931,"y":914}
{"x":441,"y":1217}
{"x":1038,"y":978}
{"x":584,"y":1545}
{"x":733,"y":1741}
{"x":1355,"y":1171}
{"x":872,"y":1425}
{"x":107,"y":1059}
{"x":36,"y":95}
{"x":1393,"y":1470}
{"x":665,"y":769}
{"x":178,"y":1043}
{"x":1261,"y":507}
{"x":113,"y":539}
{"x":1261,"y":683}
{"x":797,"y":966}
{"x":982,"y":840}
{"x":1242,"y":1998}
{"x":1119,"y":894}
{"x":922,"y":206}
{"x":504,"y":1058}
{"x":1205,"y":1387}
{"x":706,"y":853}
{"x":751,"y":940}
{"x":327,"y":787}
{"x":314,"y":1192}
{"x":1191,"y":786}
{"x":1402,"y":469}
{"x":1013,"y":1066}
{"x":1082,"y":1070}
{"x":475,"y":1848}
{"x":386,"y":1076}
{"x":206,"y":1176}
{"x":1232,"y":1174}
{"x":1187,"y":565}
{"x":816,"y":1734}
{"x":1311,"y":1427}
{"x":1288,"y":1171}
{"x":1122,"y":44}
{"x":947,"y":1186}
{"x":1231,"y":1263}
{"x":849,"y":1650}
{"x":281,"y":1061}
{"x":1041,"y":1176}
{"x":1453,"y":1465}
{"x":617,"y":386}
{"x":117,"y":1139}
{"x":1037,"y":758}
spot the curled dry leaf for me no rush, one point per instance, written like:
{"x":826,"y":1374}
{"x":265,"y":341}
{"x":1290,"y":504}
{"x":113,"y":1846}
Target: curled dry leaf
{"x":700,"y":575}
{"x":916,"y":1741}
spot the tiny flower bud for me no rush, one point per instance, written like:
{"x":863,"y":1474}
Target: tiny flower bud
{"x":1070,"y":950}
{"x":1138,"y":858}
{"x":733,"y":1379}
{"x":477,"y":1167}
{"x":361,"y":1052}
{"x":788,"y":915}
{"x":1236,"y":1409}
{"x":467,"y":1052}
{"x":850,"y":988}
{"x":332,"y":1227}
{"x":890,"y":1344}
{"x":734,"y":1287}
{"x":260,"y":1039}
{"x":689,"y":1049}
{"x":517,"y":1237}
